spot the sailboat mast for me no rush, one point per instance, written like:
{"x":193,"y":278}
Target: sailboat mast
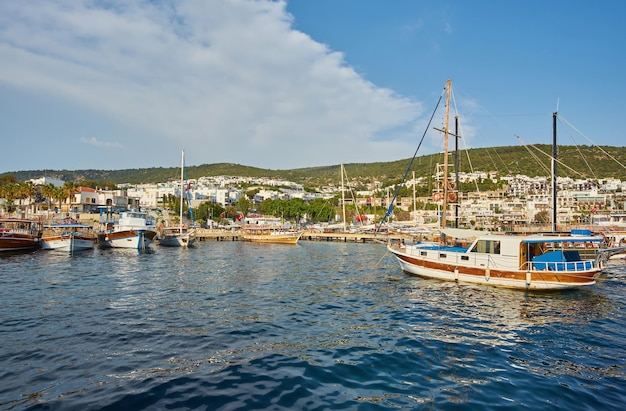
{"x":554,"y":185}
{"x":343,"y":200}
{"x":182,"y":189}
{"x":445,"y":156}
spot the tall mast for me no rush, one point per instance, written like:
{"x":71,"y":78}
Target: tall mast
{"x":343,"y":200}
{"x":445,"y":156}
{"x":456,"y":170}
{"x":554,"y":185}
{"x":182,"y":190}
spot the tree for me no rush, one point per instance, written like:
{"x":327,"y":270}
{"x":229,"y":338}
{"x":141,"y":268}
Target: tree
{"x":243,"y":204}
{"x":48,"y":192}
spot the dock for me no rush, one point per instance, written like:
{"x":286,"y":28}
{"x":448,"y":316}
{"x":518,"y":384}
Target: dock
{"x":204,"y":234}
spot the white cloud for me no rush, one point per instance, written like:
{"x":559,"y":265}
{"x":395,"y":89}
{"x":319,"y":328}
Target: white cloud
{"x":231,"y":77}
{"x":95,"y":142}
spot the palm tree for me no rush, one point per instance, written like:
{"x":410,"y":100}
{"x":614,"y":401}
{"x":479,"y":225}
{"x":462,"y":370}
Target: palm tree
{"x":48,"y":192}
{"x":69,"y":189}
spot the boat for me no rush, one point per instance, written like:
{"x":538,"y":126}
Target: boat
{"x":550,"y":261}
{"x":18,"y":234}
{"x":68,"y":235}
{"x":271,"y":234}
{"x":133,"y":230}
{"x":180,"y":236}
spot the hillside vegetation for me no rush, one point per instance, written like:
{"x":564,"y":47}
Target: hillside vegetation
{"x":578,"y":162}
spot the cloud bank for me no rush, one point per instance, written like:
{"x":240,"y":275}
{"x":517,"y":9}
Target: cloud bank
{"x":230,"y":80}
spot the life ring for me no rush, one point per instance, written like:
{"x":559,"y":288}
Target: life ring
{"x":436,"y":197}
{"x":452,"y":197}
{"x":451,"y":185}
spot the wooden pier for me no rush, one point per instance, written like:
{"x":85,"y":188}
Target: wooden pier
{"x":344,"y":237}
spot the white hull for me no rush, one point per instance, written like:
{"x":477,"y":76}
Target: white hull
{"x":177,"y":240}
{"x":67,"y":244}
{"x":134,"y":239}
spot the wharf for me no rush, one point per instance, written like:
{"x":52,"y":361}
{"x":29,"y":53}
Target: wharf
{"x":344,"y":237}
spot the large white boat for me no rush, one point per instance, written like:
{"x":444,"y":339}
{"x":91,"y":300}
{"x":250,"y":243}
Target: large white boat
{"x":530,"y":262}
{"x":68,"y":236}
{"x":134,"y":229}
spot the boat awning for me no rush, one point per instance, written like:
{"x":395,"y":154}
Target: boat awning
{"x":569,"y":239}
{"x":463,"y":233}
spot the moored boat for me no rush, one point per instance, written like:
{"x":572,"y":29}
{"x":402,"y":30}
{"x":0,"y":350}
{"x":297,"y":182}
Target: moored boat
{"x":68,"y":236}
{"x":17,"y":234}
{"x":532,"y":262}
{"x":176,"y":237}
{"x":133,"y":230}
{"x":181,"y":236}
{"x":272,"y":235}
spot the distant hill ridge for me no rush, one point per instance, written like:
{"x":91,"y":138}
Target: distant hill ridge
{"x":578,"y":162}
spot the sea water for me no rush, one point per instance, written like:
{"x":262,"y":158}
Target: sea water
{"x":316,"y":326}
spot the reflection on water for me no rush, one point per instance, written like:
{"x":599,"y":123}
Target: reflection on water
{"x":318,"y":325}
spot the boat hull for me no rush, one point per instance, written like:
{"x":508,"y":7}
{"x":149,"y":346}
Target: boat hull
{"x":68,"y":243}
{"x":177,"y":240}
{"x":515,"y":279}
{"x":274,"y":238}
{"x":136,"y":239}
{"x":19,"y":242}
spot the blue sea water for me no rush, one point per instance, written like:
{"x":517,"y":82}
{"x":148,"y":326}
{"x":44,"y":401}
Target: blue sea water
{"x":317,"y":326}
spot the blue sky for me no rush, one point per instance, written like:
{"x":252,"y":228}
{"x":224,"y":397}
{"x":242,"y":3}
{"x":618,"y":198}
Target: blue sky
{"x":287,"y":84}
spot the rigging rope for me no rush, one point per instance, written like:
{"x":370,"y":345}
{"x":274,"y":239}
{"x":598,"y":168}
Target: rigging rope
{"x":395,"y":194}
{"x":592,"y":142}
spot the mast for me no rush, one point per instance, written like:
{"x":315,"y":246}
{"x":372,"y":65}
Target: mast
{"x":343,"y":200}
{"x":445,"y":155}
{"x":554,"y":185}
{"x":182,"y":190}
{"x":456,"y":170}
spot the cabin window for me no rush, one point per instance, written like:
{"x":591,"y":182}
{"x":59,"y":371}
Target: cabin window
{"x":442,"y":255}
{"x":423,"y":253}
{"x":487,"y":247}
{"x":465,"y":258}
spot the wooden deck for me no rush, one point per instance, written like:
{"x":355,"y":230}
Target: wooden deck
{"x":236,"y":235}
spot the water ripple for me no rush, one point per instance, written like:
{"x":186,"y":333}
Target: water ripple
{"x":236,"y":326}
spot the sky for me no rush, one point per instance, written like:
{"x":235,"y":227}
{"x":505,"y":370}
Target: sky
{"x":121,"y":84}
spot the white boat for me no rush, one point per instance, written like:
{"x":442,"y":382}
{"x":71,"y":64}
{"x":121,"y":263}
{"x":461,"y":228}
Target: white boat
{"x":133,"y":230}
{"x":532,"y":262}
{"x":68,"y":236}
{"x":529,"y":262}
{"x":180,"y":236}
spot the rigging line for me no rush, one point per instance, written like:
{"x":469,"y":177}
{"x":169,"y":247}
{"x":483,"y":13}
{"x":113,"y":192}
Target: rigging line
{"x":581,"y":153}
{"x":469,"y":160}
{"x":533,"y":155}
{"x":395,"y":194}
{"x":557,"y":160}
{"x":592,"y":142}
{"x":502,"y":161}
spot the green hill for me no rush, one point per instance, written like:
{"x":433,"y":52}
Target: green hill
{"x":578,"y":162}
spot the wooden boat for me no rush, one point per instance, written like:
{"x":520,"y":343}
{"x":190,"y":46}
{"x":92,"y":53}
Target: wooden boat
{"x":132,"y":230}
{"x":180,"y":236}
{"x":68,"y":236}
{"x":530,"y":262}
{"x":17,"y":234}
{"x":272,"y":235}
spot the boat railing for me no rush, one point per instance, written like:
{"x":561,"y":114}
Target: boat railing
{"x":559,"y":265}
